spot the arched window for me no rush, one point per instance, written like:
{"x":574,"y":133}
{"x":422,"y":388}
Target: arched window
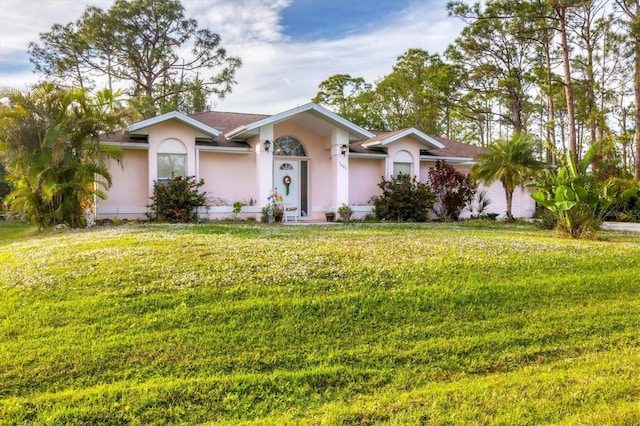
{"x":172,"y":159}
{"x":403,"y":163}
{"x":286,"y":146}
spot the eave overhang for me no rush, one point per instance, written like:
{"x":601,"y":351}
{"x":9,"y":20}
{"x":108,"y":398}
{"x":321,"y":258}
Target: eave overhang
{"x":314,"y":110}
{"x":202,"y":130}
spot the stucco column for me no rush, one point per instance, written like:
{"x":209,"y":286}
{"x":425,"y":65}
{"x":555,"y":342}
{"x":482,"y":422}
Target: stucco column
{"x":339,"y":168}
{"x":264,"y":164}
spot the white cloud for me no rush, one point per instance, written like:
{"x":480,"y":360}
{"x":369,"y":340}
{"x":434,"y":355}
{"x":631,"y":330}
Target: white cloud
{"x":283,"y":74}
{"x":277,"y":73}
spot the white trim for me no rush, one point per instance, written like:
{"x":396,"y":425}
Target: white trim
{"x":172,"y":146}
{"x":423,"y":138}
{"x":358,"y":131}
{"x":457,"y":160}
{"x":121,"y":210}
{"x":224,"y":149}
{"x":173,"y":115}
{"x":381,"y":156}
{"x":228,"y":209}
{"x":128,"y":145}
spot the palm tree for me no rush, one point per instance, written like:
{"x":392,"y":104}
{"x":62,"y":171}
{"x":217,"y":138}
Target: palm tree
{"x":511,"y":161}
{"x":48,"y":145}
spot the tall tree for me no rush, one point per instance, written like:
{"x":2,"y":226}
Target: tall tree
{"x":148,"y":44}
{"x":419,"y":92}
{"x":631,"y":9}
{"x":48,"y":144}
{"x":560,"y":7}
{"x":511,"y":161}
{"x":340,"y":93}
{"x":488,"y":49}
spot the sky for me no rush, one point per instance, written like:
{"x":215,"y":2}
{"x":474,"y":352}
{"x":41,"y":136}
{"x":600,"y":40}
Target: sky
{"x":288,"y":47}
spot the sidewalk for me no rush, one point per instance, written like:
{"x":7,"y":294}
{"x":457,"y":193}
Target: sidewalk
{"x":621,"y":226}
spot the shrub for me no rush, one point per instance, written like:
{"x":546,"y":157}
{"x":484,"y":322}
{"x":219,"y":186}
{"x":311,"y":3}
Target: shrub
{"x":454,"y":191}
{"x":345,"y":212}
{"x":177,"y":200}
{"x":482,"y":202}
{"x":403,"y":199}
{"x":579,"y":199}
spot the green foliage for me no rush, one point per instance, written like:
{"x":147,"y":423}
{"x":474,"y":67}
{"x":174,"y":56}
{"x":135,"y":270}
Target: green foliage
{"x":403,"y":199}
{"x":49,"y":148}
{"x":345,"y":212}
{"x":238,"y":324}
{"x":237,"y":207}
{"x":482,"y":202}
{"x":419,"y":93}
{"x":177,"y":200}
{"x":454,"y":191}
{"x":148,"y":44}
{"x":578,"y":198}
{"x":5,"y":188}
{"x":511,"y":161}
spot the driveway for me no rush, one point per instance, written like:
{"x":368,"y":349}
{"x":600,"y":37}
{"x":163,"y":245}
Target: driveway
{"x":621,"y":226}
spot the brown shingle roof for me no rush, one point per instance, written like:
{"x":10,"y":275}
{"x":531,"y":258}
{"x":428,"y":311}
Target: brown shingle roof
{"x":227,"y":121}
{"x":455,"y":149}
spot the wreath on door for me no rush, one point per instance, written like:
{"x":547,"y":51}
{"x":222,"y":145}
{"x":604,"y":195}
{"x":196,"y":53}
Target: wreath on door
{"x":286,"y":181}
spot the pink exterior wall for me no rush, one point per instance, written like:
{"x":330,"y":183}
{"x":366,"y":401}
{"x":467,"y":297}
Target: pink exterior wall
{"x":128,"y":195}
{"x":171,"y":129}
{"x":410,"y":146}
{"x":229,"y":177}
{"x":364,"y":176}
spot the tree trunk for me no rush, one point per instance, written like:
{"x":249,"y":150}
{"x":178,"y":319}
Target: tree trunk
{"x":636,"y":89}
{"x":568,"y":87}
{"x":509,"y":195}
{"x":551,"y":110}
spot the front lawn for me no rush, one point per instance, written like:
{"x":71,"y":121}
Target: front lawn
{"x":343,"y":324}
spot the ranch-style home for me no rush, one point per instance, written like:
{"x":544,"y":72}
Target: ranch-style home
{"x":314,"y":158}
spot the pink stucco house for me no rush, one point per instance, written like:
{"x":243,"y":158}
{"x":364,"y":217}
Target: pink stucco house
{"x":316,"y":159}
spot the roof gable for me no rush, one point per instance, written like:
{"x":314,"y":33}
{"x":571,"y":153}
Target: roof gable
{"x":142,"y":127}
{"x":384,"y":139}
{"x":309,"y":113}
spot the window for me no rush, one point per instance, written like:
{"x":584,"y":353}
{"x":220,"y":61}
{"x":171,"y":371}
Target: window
{"x":286,"y":146}
{"x":404,"y":168}
{"x":171,"y":165}
{"x":403,"y":163}
{"x":172,"y":159}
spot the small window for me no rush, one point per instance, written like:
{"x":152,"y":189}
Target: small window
{"x":286,"y":166}
{"x":404,"y":168}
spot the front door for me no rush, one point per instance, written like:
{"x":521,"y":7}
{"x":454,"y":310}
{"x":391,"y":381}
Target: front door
{"x":286,"y":179}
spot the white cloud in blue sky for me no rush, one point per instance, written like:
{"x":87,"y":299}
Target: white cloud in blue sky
{"x":288,"y":47}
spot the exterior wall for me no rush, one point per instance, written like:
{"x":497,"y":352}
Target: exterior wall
{"x":171,"y":129}
{"x":364,"y":176}
{"x":128,"y":196}
{"x":229,"y":177}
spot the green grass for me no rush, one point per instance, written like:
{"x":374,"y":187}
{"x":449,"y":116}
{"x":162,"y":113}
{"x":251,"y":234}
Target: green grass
{"x":344,"y":324}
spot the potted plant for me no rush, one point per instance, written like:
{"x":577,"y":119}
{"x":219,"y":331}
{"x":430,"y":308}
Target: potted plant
{"x":275,"y":206}
{"x":331,"y":216}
